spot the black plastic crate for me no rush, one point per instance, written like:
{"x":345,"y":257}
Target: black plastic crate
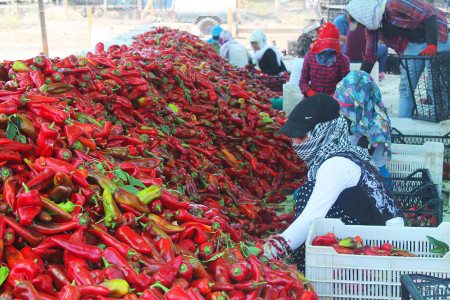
{"x":424,"y":287}
{"x":393,"y":64}
{"x":415,"y":139}
{"x":431,"y":92}
{"x":420,"y":201}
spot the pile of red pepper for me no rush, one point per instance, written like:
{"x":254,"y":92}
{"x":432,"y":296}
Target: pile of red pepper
{"x":354,"y":245}
{"x":148,"y":171}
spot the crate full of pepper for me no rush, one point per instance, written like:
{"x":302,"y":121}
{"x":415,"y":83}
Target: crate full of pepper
{"x":150,"y":171}
{"x":366,"y":262}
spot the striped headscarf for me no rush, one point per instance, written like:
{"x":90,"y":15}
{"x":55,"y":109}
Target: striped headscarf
{"x":325,"y":140}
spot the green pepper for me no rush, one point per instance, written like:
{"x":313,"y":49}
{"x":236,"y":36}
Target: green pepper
{"x":67,"y":206}
{"x":149,"y":194}
{"x":112,"y":212}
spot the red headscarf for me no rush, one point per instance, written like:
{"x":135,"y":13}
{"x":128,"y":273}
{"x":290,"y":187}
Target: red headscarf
{"x":328,"y":39}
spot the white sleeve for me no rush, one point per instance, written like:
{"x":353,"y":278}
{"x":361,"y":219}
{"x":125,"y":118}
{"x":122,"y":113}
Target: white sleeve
{"x":334,"y":175}
{"x":397,"y":222}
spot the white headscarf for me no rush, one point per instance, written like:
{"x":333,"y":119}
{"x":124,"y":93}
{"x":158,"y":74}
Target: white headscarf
{"x":259,"y":37}
{"x":225,"y":41}
{"x":367,"y":12}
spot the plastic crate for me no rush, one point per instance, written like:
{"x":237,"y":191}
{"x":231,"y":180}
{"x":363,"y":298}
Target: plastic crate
{"x":420,"y":201}
{"x":393,"y":64}
{"x":343,"y":276}
{"x":415,"y":132}
{"x":424,"y":287}
{"x":409,"y":158}
{"x":431,"y":94}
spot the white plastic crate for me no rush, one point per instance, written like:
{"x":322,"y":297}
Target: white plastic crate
{"x":417,"y":127}
{"x":343,"y":276}
{"x":409,"y":158}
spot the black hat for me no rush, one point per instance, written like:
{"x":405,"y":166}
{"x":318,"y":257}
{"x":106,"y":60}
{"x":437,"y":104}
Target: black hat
{"x":308,"y":113}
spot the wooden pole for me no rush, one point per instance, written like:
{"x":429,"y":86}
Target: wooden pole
{"x":230,"y":19}
{"x":66,"y":7}
{"x":43,"y":28}
{"x":152,"y":8}
{"x":239,"y":6}
{"x":89,"y":16}
{"x":16,"y":10}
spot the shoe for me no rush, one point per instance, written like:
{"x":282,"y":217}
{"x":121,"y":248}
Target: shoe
{"x":276,"y":248}
{"x":381,"y":75}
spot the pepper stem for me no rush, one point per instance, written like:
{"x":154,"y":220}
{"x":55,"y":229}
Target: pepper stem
{"x":27,"y":190}
{"x":159,"y":285}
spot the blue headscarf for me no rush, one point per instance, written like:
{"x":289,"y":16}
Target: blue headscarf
{"x":326,"y":57}
{"x":215,"y":32}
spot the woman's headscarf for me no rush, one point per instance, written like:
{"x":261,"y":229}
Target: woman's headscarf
{"x":328,"y":39}
{"x":259,"y":37}
{"x":325,"y":140}
{"x":367,"y":12}
{"x":360,"y":100}
{"x":225,"y":41}
{"x":215,"y":32}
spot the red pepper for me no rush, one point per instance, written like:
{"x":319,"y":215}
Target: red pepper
{"x":50,"y":113}
{"x":186,"y":270}
{"x":46,"y":140}
{"x":165,"y":248}
{"x":309,"y":295}
{"x":131,"y":238}
{"x":91,"y":253}
{"x":113,"y":271}
{"x":183,"y":216}
{"x":202,"y":285}
{"x":8,"y":107}
{"x":29,"y":205}
{"x":25,"y":290}
{"x":24,"y":269}
{"x":240,"y":271}
{"x":78,"y":272}
{"x":70,"y":292}
{"x":15,"y":146}
{"x":168,"y":272}
{"x":61,"y":166}
{"x":72,"y":132}
{"x":113,"y":257}
{"x":205,"y":250}
{"x":109,"y":240}
{"x":9,"y":191}
{"x":324,"y":241}
{"x":38,"y":78}
{"x":195,"y":233}
{"x":43,"y":283}
{"x":28,"y":253}
{"x":171,"y":202}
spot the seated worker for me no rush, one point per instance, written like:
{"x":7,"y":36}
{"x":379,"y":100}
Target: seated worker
{"x":215,"y":32}
{"x":324,"y":65}
{"x":235,"y":53}
{"x":342,"y":180}
{"x":369,"y":124}
{"x":268,"y":57}
{"x":410,"y":27}
{"x":353,"y":43}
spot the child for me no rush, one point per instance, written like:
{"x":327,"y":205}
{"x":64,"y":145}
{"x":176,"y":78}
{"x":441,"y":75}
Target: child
{"x":324,"y":65}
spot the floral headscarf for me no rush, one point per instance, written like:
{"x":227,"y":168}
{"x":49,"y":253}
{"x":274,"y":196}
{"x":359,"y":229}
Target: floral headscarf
{"x":360,"y":100}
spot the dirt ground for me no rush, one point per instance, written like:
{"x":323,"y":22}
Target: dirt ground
{"x":68,"y":30}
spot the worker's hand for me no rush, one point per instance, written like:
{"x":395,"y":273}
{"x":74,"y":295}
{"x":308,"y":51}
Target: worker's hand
{"x":429,"y":50}
{"x":275,"y":248}
{"x":310,"y":93}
